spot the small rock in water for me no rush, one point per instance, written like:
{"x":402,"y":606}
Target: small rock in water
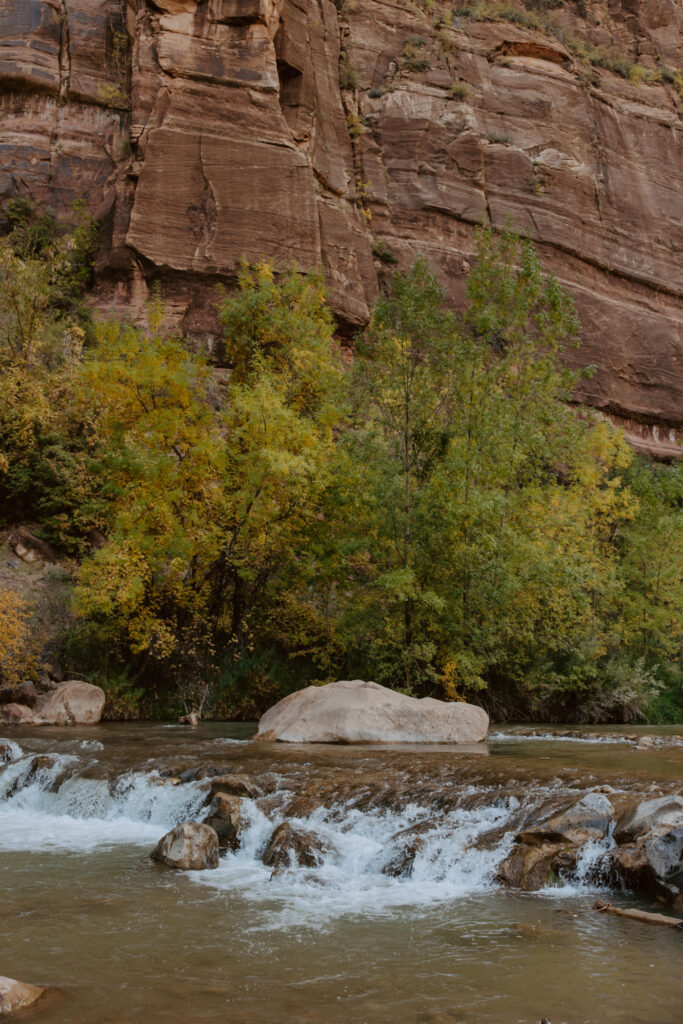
{"x":235,"y":785}
{"x":292,"y":847}
{"x":646,"y":743}
{"x":192,"y":846}
{"x":17,"y":995}
{"x":225,"y":817}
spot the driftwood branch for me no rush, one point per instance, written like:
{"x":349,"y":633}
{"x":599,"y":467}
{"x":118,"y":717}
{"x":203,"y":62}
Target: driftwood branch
{"x":638,"y":915}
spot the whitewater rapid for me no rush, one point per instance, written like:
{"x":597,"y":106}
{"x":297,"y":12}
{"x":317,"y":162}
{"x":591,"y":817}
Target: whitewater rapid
{"x":53,"y":803}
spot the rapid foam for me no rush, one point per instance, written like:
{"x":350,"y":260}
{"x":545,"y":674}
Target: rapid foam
{"x":375,"y":861}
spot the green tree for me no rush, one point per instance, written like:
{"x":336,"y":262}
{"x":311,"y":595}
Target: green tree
{"x":483,"y":555}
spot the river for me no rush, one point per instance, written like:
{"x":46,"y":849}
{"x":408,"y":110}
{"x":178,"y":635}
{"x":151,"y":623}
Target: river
{"x":120,"y":939}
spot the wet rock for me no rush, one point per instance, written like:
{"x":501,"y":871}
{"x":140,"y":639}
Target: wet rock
{"x":8,"y":752}
{"x":353,"y":711}
{"x":225,"y":818}
{"x":530,"y":867}
{"x":646,"y":743}
{"x":41,"y":764}
{"x":19,"y":693}
{"x":72,"y":703}
{"x":290,"y":847}
{"x":236,"y":785}
{"x":649,"y":816}
{"x":199,"y":774}
{"x":652,"y":866}
{"x":17,"y":995}
{"x":588,"y":819}
{"x":192,"y":846}
{"x":303,"y":805}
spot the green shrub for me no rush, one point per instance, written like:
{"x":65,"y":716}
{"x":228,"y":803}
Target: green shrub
{"x":459,"y":91}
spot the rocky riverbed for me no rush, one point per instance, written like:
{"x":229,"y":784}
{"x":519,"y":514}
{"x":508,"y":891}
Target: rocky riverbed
{"x":359,"y":846}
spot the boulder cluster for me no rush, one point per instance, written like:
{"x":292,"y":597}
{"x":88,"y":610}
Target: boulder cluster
{"x":195,"y":846}
{"x":643,"y":852}
{"x":48,"y":702}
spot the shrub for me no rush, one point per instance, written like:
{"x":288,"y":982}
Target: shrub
{"x":15,"y":634}
{"x":348,"y":76}
{"x":382,"y":252}
{"x":459,"y":91}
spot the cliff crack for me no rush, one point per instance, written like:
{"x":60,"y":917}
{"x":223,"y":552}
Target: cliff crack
{"x":202,"y":215}
{"x":60,"y":8}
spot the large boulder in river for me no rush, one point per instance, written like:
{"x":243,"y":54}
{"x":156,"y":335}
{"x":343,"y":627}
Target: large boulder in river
{"x":72,"y":703}
{"x":353,"y":711}
{"x":17,"y":995}
{"x":192,"y":846}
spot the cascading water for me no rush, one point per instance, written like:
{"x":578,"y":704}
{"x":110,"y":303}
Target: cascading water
{"x":48,"y":802}
{"x":373,"y":860}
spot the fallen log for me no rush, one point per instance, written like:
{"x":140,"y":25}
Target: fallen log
{"x":638,"y":915}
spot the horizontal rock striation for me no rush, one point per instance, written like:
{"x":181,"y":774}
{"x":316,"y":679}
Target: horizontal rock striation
{"x":202,"y":131}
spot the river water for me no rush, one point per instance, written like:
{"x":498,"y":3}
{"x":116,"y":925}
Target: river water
{"x":120,"y":939}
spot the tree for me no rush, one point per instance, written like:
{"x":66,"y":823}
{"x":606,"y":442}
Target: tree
{"x":215,"y":490}
{"x":490,"y":506}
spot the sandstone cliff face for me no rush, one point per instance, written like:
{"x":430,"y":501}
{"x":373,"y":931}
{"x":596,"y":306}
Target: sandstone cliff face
{"x":201,"y":131}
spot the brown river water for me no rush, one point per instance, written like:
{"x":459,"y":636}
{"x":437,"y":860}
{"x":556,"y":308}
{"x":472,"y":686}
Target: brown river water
{"x":119,"y":939}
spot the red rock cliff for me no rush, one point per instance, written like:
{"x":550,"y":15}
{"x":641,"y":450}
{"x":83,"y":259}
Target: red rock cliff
{"x":201,"y":131}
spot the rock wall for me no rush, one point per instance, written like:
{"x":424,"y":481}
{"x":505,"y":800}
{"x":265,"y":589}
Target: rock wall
{"x":202,"y":131}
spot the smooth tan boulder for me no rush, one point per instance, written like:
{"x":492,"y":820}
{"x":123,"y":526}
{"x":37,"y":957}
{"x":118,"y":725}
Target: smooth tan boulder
{"x":17,"y":995}
{"x":191,"y":846}
{"x":72,"y":703}
{"x":17,"y":714}
{"x":353,"y":711}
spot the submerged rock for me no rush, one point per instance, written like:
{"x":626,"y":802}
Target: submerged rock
{"x":17,"y":995}
{"x":192,"y":846}
{"x":225,"y":818}
{"x":353,"y":711}
{"x":290,"y":847}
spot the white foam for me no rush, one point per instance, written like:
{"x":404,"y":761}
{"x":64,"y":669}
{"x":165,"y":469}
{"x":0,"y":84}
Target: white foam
{"x":9,"y":751}
{"x":359,"y":844}
{"x":55,"y":807}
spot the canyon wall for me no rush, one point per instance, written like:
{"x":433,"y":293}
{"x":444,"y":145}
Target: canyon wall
{"x":203,"y":131}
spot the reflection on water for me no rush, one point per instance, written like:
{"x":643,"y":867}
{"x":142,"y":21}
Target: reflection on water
{"x":124,"y":940}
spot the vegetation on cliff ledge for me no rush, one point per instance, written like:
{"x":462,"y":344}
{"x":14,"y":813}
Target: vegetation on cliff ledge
{"x":433,"y":515}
